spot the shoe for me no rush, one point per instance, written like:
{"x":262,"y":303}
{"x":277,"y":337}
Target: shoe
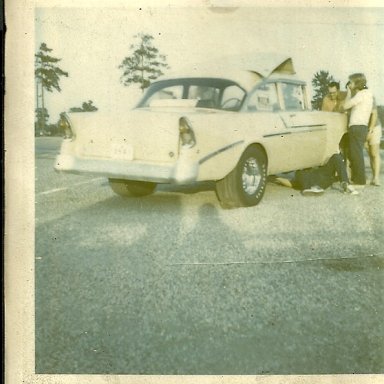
{"x":376,"y":183}
{"x":358,"y":186}
{"x":337,"y":186}
{"x":314,"y":191}
{"x":350,"y":190}
{"x":344,"y":186}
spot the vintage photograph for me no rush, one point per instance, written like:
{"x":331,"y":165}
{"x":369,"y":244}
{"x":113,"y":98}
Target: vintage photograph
{"x":208,"y":189}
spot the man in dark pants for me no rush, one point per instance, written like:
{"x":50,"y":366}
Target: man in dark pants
{"x":361,"y":107}
{"x":314,"y":181}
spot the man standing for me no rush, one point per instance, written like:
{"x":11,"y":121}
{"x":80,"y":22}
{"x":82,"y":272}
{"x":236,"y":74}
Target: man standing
{"x":361,"y":107}
{"x":333,"y":101}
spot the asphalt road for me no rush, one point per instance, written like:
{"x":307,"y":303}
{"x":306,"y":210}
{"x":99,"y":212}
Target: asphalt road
{"x":173,"y":284}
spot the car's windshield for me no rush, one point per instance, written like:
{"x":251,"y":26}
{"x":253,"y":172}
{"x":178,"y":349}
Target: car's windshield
{"x":203,"y":93}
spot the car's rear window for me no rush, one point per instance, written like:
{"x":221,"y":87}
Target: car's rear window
{"x":172,"y":92}
{"x":208,"y":93}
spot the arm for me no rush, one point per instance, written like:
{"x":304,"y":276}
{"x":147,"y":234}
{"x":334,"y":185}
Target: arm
{"x":351,"y":101}
{"x":323,"y":105}
{"x":372,"y":120}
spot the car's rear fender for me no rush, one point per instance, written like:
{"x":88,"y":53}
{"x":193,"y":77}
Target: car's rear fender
{"x":219,"y":149}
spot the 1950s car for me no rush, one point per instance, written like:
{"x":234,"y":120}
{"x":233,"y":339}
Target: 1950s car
{"x":233,"y":122}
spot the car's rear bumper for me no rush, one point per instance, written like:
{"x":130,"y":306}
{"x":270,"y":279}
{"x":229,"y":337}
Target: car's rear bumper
{"x":179,"y":172}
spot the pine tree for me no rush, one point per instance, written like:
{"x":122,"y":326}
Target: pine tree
{"x":144,"y":64}
{"x":47,"y":76}
{"x":320,"y":83}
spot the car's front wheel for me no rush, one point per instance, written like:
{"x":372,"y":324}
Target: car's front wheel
{"x":131,"y":188}
{"x":245,"y":185}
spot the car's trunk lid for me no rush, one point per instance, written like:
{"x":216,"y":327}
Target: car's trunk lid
{"x":143,"y":135}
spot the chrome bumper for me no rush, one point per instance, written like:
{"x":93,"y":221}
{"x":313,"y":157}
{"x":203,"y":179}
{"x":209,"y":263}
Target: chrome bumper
{"x":180,"y":172}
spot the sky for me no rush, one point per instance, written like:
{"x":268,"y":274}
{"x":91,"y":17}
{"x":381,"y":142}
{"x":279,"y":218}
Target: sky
{"x":93,"y":41}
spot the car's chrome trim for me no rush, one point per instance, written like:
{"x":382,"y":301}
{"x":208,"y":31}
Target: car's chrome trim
{"x":278,"y":134}
{"x":220,"y":150}
{"x":310,"y":126}
{"x":285,"y":124}
{"x":303,"y":131}
{"x":307,"y":130}
{"x":303,"y":126}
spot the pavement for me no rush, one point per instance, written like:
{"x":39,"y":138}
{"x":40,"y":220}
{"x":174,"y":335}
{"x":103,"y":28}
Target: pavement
{"x":172,"y":284}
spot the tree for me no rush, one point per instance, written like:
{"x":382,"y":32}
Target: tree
{"x":86,"y":107}
{"x":144,"y":64}
{"x":320,"y":83}
{"x":47,"y":75}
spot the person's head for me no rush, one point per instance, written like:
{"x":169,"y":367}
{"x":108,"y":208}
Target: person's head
{"x":358,"y":81}
{"x":333,"y":89}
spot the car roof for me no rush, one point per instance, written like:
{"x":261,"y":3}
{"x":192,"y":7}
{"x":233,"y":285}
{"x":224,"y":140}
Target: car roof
{"x":246,"y":70}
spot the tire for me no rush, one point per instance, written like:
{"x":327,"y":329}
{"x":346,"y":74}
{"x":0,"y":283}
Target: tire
{"x":245,"y":185}
{"x":130,"y":188}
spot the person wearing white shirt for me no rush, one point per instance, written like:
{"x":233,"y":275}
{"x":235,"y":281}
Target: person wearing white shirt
{"x":360,"y":106}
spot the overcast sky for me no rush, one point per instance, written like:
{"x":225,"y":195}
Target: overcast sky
{"x":92,"y":42}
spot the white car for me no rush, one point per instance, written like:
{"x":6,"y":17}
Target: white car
{"x":234,"y":123}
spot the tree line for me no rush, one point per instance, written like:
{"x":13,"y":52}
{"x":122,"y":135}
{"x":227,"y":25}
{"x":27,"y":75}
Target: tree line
{"x":141,"y":67}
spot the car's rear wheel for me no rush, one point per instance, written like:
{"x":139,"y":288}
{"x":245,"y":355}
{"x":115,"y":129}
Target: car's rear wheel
{"x":245,"y":185}
{"x":131,"y":188}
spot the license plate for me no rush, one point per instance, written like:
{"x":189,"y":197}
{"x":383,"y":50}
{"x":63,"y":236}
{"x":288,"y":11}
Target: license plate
{"x":122,"y":151}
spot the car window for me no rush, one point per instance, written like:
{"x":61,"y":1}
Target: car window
{"x":173,"y":92}
{"x":264,"y":98}
{"x":232,"y":98}
{"x":212,"y":93}
{"x":208,"y":97}
{"x":293,"y":96}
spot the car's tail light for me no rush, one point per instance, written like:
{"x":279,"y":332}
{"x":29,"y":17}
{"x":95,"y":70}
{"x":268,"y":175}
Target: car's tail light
{"x":187,"y":136}
{"x":65,"y":127}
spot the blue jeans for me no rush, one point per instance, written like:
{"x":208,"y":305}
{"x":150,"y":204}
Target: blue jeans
{"x":357,"y":134}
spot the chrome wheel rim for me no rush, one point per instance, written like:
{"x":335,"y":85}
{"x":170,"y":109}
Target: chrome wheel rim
{"x":251,"y":176}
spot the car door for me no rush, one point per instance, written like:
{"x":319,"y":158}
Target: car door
{"x":264,"y":105}
{"x":306,"y":129}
